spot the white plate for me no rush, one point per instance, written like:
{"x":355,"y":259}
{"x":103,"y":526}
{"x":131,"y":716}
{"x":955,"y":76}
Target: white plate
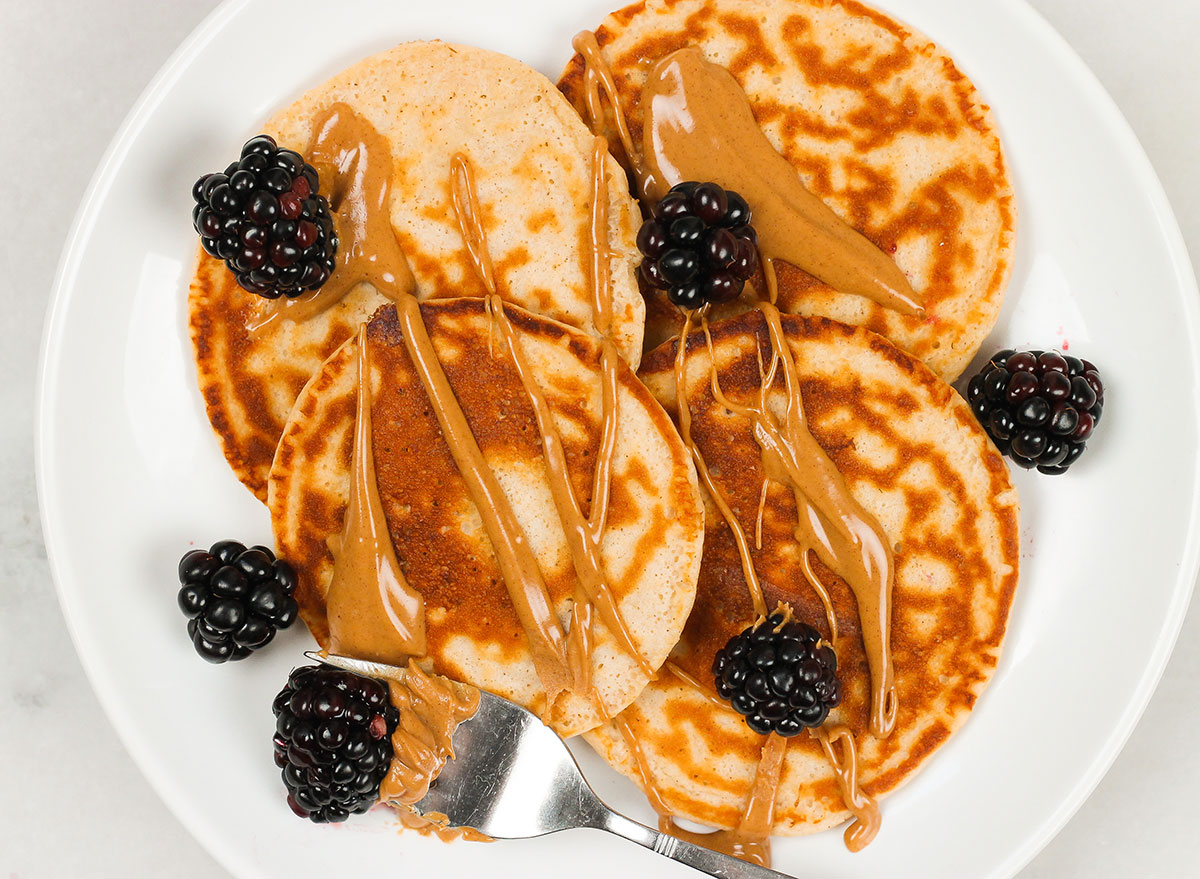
{"x":131,"y":476}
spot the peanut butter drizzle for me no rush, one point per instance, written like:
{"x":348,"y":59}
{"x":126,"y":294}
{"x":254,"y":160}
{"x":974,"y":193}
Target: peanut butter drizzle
{"x":583,"y":534}
{"x":373,"y":612}
{"x":750,"y":840}
{"x":802,"y":534}
{"x":685,"y":432}
{"x":867,"y":820}
{"x":355,"y":162}
{"x":610,"y":359}
{"x":753,"y":831}
{"x":704,"y":691}
{"x":470,"y":220}
{"x":698,"y":125}
{"x":642,"y":764}
{"x":830,"y":523}
{"x":597,"y":75}
{"x":431,"y":708}
{"x":518,"y":565}
{"x":854,"y":546}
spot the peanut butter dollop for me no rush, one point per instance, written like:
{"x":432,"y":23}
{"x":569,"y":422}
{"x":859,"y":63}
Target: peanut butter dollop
{"x":698,"y":125}
{"x":373,"y":612}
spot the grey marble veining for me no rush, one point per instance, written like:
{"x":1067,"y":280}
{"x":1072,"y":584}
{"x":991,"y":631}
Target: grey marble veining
{"x":72,"y":803}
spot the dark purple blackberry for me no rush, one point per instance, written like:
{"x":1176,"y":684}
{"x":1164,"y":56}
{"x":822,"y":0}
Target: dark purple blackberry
{"x":235,"y":598}
{"x":264,"y":216}
{"x":1039,"y":407}
{"x":698,"y":245}
{"x":333,"y":741}
{"x":779,"y":675}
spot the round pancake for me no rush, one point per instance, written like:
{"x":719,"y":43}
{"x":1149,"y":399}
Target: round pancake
{"x":532,"y":161}
{"x":650,"y":548}
{"x":879,"y":123}
{"x":912,"y":456}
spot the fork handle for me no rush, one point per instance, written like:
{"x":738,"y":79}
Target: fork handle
{"x":696,"y":856}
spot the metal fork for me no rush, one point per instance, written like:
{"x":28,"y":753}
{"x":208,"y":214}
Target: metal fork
{"x":512,"y":777}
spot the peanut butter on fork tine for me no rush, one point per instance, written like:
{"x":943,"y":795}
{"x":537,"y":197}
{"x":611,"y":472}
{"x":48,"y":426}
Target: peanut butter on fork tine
{"x":512,"y":777}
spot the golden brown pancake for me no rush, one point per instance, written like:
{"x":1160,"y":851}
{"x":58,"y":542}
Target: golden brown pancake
{"x":531,"y":156}
{"x":914,"y":457}
{"x":650,"y":547}
{"x":879,"y":123}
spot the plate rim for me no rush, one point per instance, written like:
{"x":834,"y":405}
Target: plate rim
{"x":106,"y":689}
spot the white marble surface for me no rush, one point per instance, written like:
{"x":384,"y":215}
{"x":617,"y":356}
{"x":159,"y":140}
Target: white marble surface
{"x":72,"y":803}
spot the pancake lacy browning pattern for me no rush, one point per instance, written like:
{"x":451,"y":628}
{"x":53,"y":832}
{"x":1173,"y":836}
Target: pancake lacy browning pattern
{"x":427,"y":101}
{"x":651,"y":543}
{"x":914,"y":457}
{"x":877,"y":121}
{"x":583,"y":533}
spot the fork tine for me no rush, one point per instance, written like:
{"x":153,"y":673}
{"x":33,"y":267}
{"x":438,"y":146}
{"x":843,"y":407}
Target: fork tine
{"x":357,"y":666}
{"x":512,"y":777}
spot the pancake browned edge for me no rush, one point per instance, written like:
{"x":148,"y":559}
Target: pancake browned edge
{"x":532,"y":160}
{"x":879,"y":123}
{"x":914,"y":457}
{"x":651,"y":544}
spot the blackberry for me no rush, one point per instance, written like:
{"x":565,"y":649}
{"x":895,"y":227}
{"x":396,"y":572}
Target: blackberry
{"x":265,"y":217}
{"x":1039,"y":407}
{"x":698,"y":245}
{"x":333,"y":741}
{"x":779,"y":675}
{"x":235,"y":598}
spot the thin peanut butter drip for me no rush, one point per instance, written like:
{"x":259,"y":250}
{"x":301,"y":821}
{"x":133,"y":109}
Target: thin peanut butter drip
{"x":642,"y":764}
{"x":750,"y":840}
{"x":354,"y":161}
{"x":598,"y":76}
{"x":373,"y":612}
{"x":685,"y":431}
{"x":867,"y":820}
{"x":470,"y":219}
{"x":846,"y":537}
{"x":830,"y":523}
{"x":698,"y":125}
{"x":707,"y":692}
{"x":431,"y":708}
{"x":583,"y":533}
{"x":773,"y":471}
{"x":518,"y":565}
{"x":599,"y":252}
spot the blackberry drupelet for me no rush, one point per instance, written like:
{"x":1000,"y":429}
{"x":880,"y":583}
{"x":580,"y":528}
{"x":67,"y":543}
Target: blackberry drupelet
{"x":698,"y":245}
{"x":264,"y":216}
{"x":235,"y":598}
{"x":779,"y":675}
{"x":1039,"y":407}
{"x":333,"y":741}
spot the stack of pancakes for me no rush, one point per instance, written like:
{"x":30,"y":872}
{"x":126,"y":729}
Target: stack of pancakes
{"x":876,"y":121}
